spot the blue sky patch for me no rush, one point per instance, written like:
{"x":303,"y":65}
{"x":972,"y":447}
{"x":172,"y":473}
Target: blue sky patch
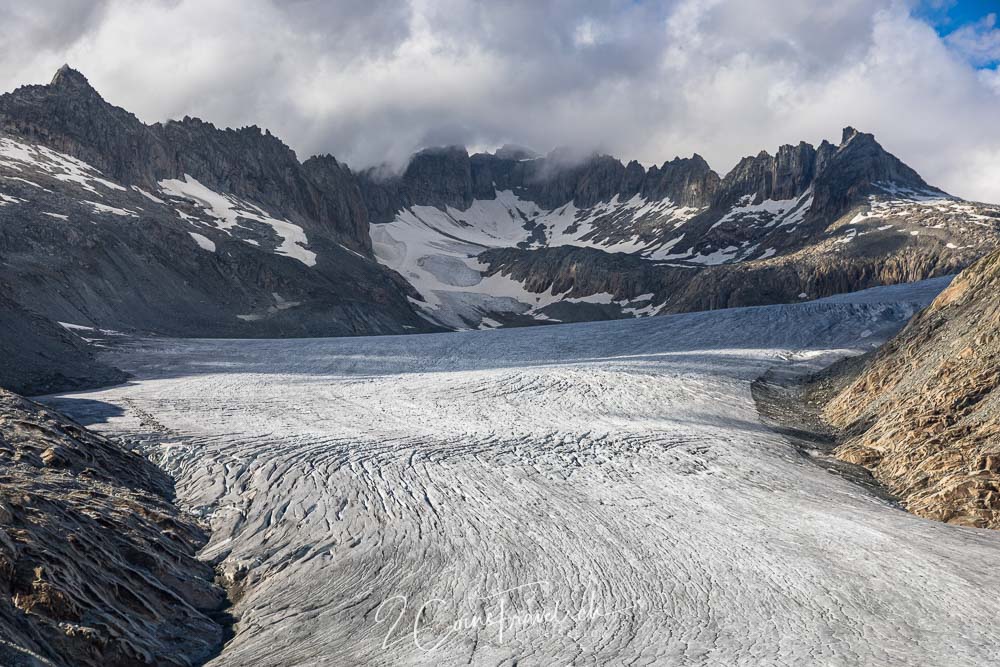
{"x":966,"y":27}
{"x":949,"y":15}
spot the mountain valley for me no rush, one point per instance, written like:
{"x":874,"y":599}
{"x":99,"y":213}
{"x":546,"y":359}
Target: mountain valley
{"x":297,"y":413}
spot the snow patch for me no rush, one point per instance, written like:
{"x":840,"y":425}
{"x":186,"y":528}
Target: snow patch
{"x":849,"y":235}
{"x":720,"y":256}
{"x":228,"y":210}
{"x":104,"y":208}
{"x":203,"y":242}
{"x":770,"y":212}
{"x":61,"y":167}
{"x":148,"y":195}
{"x":26,"y":182}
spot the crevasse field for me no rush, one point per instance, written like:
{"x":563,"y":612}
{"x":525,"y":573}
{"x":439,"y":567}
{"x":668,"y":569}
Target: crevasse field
{"x":601,"y":493}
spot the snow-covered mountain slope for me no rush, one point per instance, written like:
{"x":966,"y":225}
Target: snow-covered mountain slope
{"x":484,"y":239}
{"x":177,"y":256}
{"x":602,"y":493}
{"x":25,"y":164}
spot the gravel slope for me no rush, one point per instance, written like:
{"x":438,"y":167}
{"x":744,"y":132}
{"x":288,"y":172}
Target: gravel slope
{"x":602,"y":493}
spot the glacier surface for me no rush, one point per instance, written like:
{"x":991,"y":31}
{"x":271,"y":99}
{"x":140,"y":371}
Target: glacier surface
{"x":599,"y":493}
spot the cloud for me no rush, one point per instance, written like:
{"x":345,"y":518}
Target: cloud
{"x":978,"y":42}
{"x":374,"y":81}
{"x":43,"y":27}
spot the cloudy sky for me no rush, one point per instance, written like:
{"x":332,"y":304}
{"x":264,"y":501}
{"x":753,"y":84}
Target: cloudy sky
{"x":373,"y":80}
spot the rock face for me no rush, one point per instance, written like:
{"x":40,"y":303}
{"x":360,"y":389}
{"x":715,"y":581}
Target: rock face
{"x":858,"y":167}
{"x":687,"y":181}
{"x":97,"y":567}
{"x":786,"y":175}
{"x":177,"y":228}
{"x":69,"y":116}
{"x":924,"y":415}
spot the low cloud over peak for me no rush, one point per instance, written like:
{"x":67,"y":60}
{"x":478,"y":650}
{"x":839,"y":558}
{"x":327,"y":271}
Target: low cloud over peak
{"x":372,"y":83}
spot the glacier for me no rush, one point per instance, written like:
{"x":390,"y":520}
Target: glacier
{"x":600,"y":493}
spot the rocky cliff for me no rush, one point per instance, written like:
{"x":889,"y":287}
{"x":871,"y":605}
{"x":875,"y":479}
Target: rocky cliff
{"x":450,"y":177}
{"x":924,"y":415}
{"x":97,"y":567}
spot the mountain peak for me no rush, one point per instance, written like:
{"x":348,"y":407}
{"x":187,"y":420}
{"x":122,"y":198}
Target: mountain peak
{"x":515,"y":152}
{"x":849,"y":133}
{"x":66,"y":76}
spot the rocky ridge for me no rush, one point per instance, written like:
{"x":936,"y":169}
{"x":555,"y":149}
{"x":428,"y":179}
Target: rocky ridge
{"x":924,"y":415}
{"x":502,"y":238}
{"x":97,"y":567}
{"x":69,"y":116}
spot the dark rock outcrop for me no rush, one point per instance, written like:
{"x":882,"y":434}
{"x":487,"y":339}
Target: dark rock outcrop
{"x":38,"y":356}
{"x":337,"y":199}
{"x":783,"y":176}
{"x":578,"y":272}
{"x":685,"y":181}
{"x":853,"y":170}
{"x":440,"y":177}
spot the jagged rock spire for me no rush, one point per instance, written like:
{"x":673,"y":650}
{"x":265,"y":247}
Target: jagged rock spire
{"x":67,"y":76}
{"x":849,"y":133}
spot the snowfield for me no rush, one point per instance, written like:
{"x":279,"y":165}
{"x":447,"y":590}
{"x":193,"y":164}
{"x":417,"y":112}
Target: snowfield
{"x":600,"y":493}
{"x":435,"y":250}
